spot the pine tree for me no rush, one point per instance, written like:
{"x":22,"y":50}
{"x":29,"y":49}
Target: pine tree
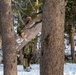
{"x":8,"y":39}
{"x":52,"y":51}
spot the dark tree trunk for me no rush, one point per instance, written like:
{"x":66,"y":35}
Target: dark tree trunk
{"x":71,"y":39}
{"x":72,"y":29}
{"x":8,"y":39}
{"x":52,"y":51}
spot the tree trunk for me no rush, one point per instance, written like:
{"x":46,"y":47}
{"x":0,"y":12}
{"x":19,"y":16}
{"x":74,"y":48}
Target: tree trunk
{"x":52,"y":46}
{"x":8,"y":39}
{"x":72,"y":30}
{"x":71,"y":35}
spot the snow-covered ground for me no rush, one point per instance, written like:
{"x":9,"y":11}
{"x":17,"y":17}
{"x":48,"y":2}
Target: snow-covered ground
{"x":69,"y":69}
{"x":33,"y":71}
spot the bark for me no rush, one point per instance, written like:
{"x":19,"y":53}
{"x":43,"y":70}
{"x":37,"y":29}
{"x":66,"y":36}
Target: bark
{"x":71,"y":35}
{"x":29,"y":34}
{"x":72,"y":30}
{"x":8,"y":39}
{"x":52,"y":46}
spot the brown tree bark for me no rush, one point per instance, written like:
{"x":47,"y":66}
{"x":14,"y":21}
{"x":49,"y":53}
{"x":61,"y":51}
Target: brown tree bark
{"x":71,"y":39}
{"x":29,"y":35}
{"x":72,"y":30}
{"x":52,"y":51}
{"x":8,"y":39}
{"x":72,"y":43}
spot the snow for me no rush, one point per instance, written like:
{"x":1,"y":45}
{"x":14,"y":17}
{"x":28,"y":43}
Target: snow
{"x":34,"y":70}
{"x":69,"y":69}
{"x":67,"y":48}
{"x":15,"y":29}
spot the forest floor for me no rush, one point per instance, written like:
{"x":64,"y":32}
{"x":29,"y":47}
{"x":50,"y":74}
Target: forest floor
{"x":69,"y":69}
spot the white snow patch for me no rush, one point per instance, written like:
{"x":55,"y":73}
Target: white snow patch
{"x":69,"y":69}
